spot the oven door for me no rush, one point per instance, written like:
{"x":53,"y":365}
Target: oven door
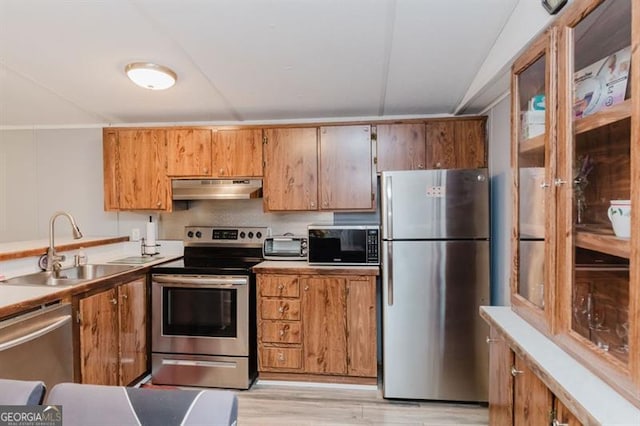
{"x":201,"y":314}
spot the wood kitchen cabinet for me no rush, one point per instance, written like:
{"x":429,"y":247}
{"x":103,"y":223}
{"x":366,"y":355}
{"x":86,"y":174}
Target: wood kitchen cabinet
{"x":318,"y":169}
{"x":433,"y":144}
{"x":580,"y":285}
{"x":517,"y":396}
{"x":291,"y":169}
{"x":188,"y":152}
{"x":455,"y":144}
{"x":135,"y":167}
{"x":320,"y":327}
{"x":501,"y":359}
{"x":113,"y":334}
{"x":237,"y":153}
{"x":346,"y":176}
{"x":401,"y":146}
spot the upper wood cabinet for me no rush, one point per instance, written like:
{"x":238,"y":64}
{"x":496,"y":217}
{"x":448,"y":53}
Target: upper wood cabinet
{"x":455,"y":144}
{"x":237,"y":153}
{"x":291,"y":169}
{"x":401,"y":146}
{"x":346,"y":177}
{"x":135,"y":170}
{"x":188,"y":152}
{"x":581,"y":286}
{"x":333,"y":164}
{"x":434,"y":144}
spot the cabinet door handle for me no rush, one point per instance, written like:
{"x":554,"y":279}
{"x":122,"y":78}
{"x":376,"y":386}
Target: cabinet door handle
{"x":280,"y":287}
{"x":306,"y":288}
{"x":125,"y":297}
{"x":558,"y":182}
{"x":114,"y":301}
{"x":280,"y":356}
{"x":159,"y":203}
{"x":544,"y":185}
{"x":556,"y":422}
{"x":515,"y":372}
{"x":490,"y":340}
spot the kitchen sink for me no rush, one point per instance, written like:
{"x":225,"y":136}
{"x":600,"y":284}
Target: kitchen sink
{"x":69,"y":276}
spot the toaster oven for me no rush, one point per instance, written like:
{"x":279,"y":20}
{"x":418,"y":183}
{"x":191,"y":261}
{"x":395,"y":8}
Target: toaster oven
{"x":285,"y":247}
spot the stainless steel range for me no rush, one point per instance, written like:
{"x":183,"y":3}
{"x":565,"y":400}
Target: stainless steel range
{"x":204,"y":310}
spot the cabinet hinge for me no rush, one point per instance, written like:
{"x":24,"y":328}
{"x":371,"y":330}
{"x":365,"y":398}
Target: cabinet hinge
{"x":265,"y":140}
{"x":78,"y":318}
{"x":375,"y":160}
{"x":373,"y":197}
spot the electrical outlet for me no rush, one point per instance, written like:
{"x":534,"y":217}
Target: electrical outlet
{"x":135,"y":234}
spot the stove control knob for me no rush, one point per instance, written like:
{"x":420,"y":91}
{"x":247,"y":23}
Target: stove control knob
{"x":242,"y":234}
{"x":258,"y":235}
{"x":250,"y":234}
{"x":190,"y":234}
{"x":198,"y":234}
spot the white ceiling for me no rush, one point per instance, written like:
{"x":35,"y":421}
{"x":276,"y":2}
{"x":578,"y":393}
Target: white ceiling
{"x":62,"y":61}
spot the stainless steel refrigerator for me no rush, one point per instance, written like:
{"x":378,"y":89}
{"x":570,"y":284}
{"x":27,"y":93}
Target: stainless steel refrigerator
{"x":435,"y":275}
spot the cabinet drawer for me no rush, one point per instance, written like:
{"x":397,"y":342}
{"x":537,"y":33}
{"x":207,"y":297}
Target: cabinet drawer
{"x":279,"y":285}
{"x":288,"y":358}
{"x":281,"y":332}
{"x":280,"y":309}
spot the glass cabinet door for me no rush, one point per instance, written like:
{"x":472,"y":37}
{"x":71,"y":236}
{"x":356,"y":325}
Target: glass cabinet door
{"x":595,"y":187}
{"x":533,"y":167}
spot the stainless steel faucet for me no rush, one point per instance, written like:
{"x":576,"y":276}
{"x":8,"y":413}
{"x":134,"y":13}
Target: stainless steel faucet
{"x":53,"y":260}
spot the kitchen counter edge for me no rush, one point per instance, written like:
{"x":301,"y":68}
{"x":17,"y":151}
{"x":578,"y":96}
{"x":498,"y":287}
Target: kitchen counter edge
{"x":302,"y":267}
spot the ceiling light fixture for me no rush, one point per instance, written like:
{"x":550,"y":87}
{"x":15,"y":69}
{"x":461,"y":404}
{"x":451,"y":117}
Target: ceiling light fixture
{"x":151,"y":76}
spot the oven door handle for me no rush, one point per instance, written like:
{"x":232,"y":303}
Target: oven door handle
{"x":217,"y":281}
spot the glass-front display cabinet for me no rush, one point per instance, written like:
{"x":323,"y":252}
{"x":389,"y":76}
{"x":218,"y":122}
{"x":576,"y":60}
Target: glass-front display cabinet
{"x":533,"y":135}
{"x":598,"y":147}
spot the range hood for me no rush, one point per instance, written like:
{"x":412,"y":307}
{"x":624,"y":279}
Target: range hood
{"x":216,"y":189}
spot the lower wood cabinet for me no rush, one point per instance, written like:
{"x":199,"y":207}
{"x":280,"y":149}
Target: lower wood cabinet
{"x":317,"y":325}
{"x":517,"y":396}
{"x":112,"y":334}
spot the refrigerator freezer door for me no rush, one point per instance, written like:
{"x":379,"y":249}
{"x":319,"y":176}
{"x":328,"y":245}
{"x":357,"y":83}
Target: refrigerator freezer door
{"x":434,"y":343}
{"x":432,"y":204}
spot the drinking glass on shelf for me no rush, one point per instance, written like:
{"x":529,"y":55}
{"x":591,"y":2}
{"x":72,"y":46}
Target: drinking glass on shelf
{"x":580,"y":309}
{"x":622,"y":330}
{"x":596,"y":315}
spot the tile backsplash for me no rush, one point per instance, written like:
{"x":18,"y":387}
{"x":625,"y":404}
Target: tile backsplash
{"x":236,"y":213}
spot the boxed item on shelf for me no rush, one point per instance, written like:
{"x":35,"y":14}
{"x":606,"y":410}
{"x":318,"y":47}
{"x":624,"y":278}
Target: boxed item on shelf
{"x":532,"y":130}
{"x":601,"y":84}
{"x":532,"y":123}
{"x":536,"y":103}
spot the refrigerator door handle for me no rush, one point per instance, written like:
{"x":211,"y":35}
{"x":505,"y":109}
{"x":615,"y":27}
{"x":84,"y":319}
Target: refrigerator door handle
{"x":389,"y":207}
{"x":389,"y":273}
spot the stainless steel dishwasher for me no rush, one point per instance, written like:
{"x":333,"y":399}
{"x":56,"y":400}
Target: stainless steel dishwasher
{"x":38,"y":346}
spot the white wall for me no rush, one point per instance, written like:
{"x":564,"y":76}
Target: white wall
{"x":527,"y":20}
{"x":43,"y":171}
{"x":498,"y":133}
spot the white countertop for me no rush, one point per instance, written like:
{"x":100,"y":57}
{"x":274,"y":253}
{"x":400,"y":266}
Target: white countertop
{"x":601,"y":403}
{"x":302,"y":264}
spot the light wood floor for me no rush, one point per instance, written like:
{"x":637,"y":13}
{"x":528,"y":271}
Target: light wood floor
{"x":267,"y":404}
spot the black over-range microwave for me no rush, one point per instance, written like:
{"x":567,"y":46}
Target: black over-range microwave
{"x":344,"y":244}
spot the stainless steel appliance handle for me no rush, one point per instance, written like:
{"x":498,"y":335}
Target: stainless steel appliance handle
{"x":388,"y":186}
{"x":189,"y":363}
{"x":34,"y":335}
{"x":202,"y":280}
{"x":389,"y":271}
